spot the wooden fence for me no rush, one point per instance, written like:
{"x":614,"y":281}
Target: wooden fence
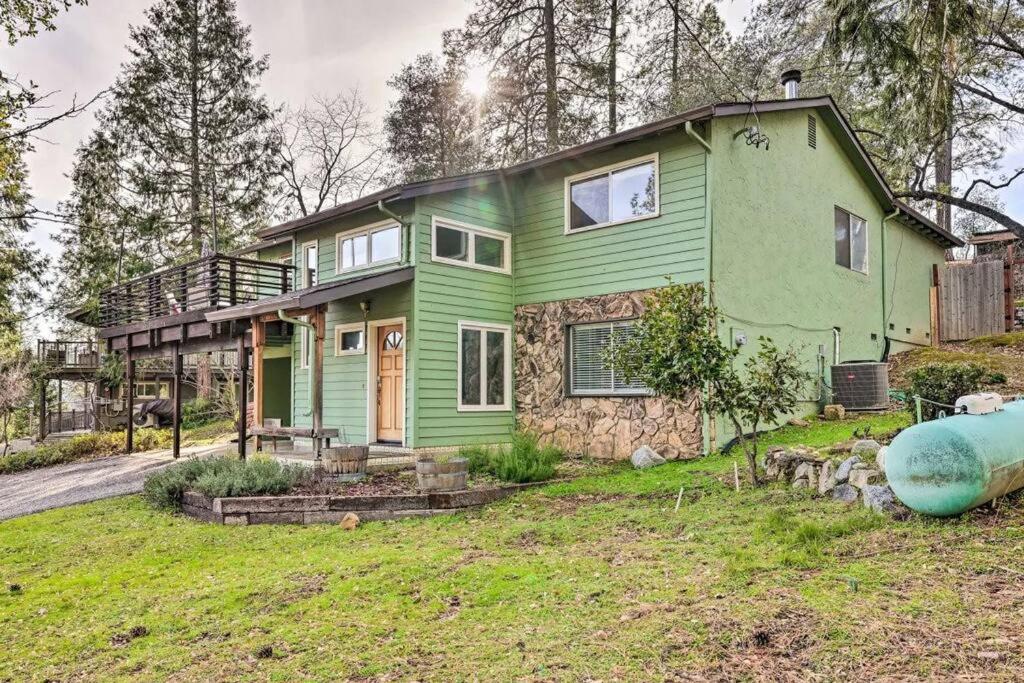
{"x":972,"y":300}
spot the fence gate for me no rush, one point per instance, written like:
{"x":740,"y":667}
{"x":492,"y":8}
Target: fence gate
{"x":972,"y":300}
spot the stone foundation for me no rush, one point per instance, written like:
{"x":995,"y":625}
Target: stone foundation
{"x":602,"y":427}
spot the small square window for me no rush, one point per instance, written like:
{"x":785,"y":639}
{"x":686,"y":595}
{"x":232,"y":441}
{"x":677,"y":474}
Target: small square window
{"x":349,"y":339}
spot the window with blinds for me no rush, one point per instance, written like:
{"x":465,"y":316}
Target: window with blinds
{"x":588,"y":374}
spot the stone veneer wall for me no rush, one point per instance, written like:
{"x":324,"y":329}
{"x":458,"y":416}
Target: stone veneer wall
{"x":603,"y":427}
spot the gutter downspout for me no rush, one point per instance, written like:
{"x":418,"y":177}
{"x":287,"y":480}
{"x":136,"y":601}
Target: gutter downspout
{"x":404,"y":223}
{"x":708,"y":423}
{"x":885,"y":322}
{"x":309,"y":380}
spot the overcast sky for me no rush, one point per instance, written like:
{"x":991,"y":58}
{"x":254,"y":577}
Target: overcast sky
{"x":315,"y":46}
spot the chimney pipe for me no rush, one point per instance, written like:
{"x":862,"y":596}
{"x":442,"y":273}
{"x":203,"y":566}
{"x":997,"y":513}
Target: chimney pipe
{"x":791,"y":83}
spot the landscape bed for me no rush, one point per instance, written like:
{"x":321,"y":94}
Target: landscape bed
{"x":326,"y":508}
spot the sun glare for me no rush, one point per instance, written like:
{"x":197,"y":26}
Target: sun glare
{"x":476,"y":81}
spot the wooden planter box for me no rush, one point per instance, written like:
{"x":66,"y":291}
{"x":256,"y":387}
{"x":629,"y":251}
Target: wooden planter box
{"x":331,"y":509}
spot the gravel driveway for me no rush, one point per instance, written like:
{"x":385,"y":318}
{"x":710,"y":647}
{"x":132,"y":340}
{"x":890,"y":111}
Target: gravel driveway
{"x":80,"y":482}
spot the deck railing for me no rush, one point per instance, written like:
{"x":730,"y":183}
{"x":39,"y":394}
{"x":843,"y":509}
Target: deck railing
{"x":213,"y":282}
{"x":72,"y":355}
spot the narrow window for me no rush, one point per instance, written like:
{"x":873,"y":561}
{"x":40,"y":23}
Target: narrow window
{"x":484,"y":366}
{"x":588,"y":373}
{"x":310,"y":263}
{"x":348,"y":339}
{"x":305,"y":346}
{"x":851,"y":241}
{"x":460,"y":244}
{"x":611,"y":195}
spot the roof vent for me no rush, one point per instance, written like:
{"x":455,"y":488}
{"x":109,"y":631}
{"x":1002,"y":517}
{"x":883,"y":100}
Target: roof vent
{"x":791,"y":82}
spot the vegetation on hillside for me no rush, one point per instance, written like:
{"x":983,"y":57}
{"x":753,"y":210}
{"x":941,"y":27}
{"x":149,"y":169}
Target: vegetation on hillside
{"x":220,"y":477}
{"x":521,"y":461}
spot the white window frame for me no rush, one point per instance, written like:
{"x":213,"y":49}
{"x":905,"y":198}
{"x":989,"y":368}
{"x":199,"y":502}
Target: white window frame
{"x":607,"y":171}
{"x":304,"y":273}
{"x":339,"y":330}
{"x":483,"y":328}
{"x":867,"y":241}
{"x":367,"y":230}
{"x":471,"y":230}
{"x":572,"y":391}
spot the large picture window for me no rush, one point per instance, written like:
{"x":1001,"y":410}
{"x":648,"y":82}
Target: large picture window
{"x":368,"y":246}
{"x":484,"y":366}
{"x":612,"y":195}
{"x":460,"y":244}
{"x":851,"y":236}
{"x":588,"y":374}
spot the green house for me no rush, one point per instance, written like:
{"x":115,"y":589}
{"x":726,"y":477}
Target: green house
{"x":455,"y":310}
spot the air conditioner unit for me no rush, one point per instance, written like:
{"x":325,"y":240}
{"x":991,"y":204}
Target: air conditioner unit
{"x":861,"y":385}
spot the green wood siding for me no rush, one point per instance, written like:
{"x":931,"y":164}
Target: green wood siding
{"x":446,"y":294}
{"x":345,"y":377}
{"x":550,"y":265}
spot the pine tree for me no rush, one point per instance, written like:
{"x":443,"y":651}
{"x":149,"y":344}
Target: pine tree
{"x":431,"y":128}
{"x":193,"y":135}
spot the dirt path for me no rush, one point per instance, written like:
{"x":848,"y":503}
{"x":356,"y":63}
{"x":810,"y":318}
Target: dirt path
{"x":80,"y":482}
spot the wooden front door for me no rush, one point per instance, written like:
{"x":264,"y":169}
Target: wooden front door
{"x":390,"y":373}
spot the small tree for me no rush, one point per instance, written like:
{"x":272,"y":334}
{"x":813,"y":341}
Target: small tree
{"x":675,"y":350}
{"x":15,"y":386}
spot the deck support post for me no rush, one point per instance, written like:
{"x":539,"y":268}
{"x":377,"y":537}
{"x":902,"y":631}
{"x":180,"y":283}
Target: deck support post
{"x":42,"y":408}
{"x":176,"y":420}
{"x":243,"y":395}
{"x":60,"y":405}
{"x":318,"y":383}
{"x":129,"y":374}
{"x":259,"y":333}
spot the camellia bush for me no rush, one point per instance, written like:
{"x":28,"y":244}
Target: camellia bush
{"x":944,"y":383}
{"x":675,"y":350}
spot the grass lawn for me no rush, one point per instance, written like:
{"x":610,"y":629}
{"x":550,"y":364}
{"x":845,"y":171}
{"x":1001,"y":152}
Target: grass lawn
{"x":597,"y":579}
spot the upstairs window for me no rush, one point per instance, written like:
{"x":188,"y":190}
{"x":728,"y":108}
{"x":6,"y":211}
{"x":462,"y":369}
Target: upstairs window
{"x":851,"y":236}
{"x":460,"y":244}
{"x":310,"y":264}
{"x":372,"y":245}
{"x":612,"y":195}
{"x":588,"y":374}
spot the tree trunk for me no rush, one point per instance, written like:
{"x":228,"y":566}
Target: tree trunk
{"x":613,"y":47}
{"x":944,"y":178}
{"x":204,"y":376}
{"x":194,"y":168}
{"x":551,"y":77}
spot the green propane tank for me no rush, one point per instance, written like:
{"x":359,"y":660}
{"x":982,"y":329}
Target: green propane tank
{"x":948,"y":466}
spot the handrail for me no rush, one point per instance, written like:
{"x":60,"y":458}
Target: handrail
{"x":212,"y":282}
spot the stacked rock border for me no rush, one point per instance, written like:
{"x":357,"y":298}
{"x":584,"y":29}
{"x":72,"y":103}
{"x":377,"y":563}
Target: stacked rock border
{"x":858,"y":477}
{"x":327,"y":509}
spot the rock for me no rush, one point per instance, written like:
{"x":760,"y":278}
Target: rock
{"x":834,"y":412}
{"x":645,"y":457}
{"x":843,"y":472}
{"x":798,"y":422}
{"x":808,"y":471}
{"x":845,"y":493}
{"x":880,"y":458}
{"x":863,"y":477}
{"x":880,"y":499}
{"x":801,"y":483}
{"x":827,"y":477}
{"x":991,"y":656}
{"x":350,"y":521}
{"x":866,"y":448}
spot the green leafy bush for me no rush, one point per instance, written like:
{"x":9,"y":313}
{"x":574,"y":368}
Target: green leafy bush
{"x":995,"y":378}
{"x":220,"y":478}
{"x":83,"y":447}
{"x":199,"y":412}
{"x":944,"y":383}
{"x":523,"y":460}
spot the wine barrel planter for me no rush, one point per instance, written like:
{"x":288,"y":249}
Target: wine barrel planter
{"x":441,"y":476}
{"x":348,"y":463}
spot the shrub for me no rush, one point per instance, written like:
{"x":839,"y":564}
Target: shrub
{"x":523,"y":460}
{"x":995,"y":378}
{"x":944,"y":383}
{"x":199,"y":412}
{"x":220,"y":478}
{"x":83,"y":447}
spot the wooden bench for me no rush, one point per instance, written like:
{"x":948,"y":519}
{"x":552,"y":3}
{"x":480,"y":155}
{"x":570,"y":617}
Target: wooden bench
{"x":274,"y":432}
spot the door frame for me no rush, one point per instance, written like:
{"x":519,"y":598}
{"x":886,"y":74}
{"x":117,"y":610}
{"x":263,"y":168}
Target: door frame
{"x":371,"y":375}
